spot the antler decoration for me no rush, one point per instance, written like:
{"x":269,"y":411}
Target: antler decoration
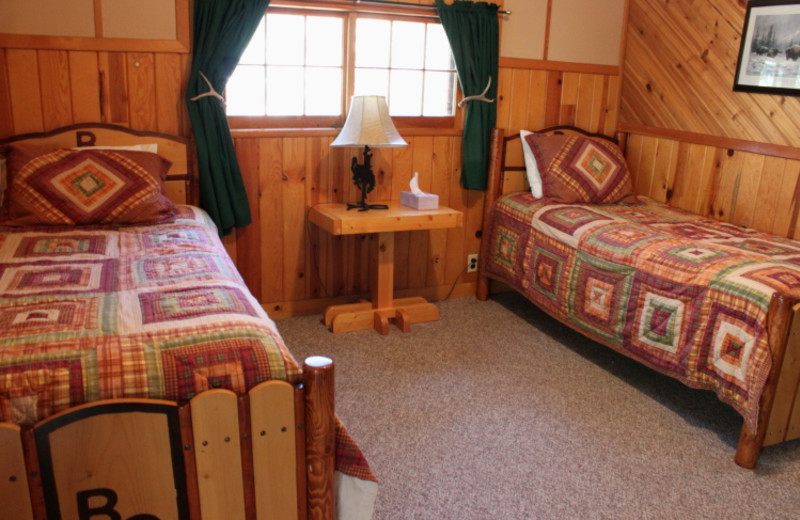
{"x":478,"y":97}
{"x":211,"y":92}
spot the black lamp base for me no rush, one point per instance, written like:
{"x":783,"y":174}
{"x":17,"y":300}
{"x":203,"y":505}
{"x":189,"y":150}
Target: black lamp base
{"x":363,"y":206}
{"x":364,"y":179}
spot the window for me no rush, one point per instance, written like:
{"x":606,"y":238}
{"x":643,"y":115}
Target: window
{"x":300,"y":68}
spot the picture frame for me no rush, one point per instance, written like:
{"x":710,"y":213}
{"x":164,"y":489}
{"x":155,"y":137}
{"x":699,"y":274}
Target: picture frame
{"x":769,"y":54}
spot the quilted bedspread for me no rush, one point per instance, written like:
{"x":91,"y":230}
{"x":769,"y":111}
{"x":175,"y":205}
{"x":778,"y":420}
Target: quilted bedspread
{"x":685,"y":295}
{"x":160,"y":312}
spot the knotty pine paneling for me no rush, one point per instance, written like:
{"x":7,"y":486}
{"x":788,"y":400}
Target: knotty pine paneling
{"x":680,"y":61}
{"x":41,"y":89}
{"x":735,"y":186}
{"x":292,"y":266}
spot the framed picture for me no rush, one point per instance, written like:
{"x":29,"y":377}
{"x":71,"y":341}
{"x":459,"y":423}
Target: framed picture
{"x":769,"y":56}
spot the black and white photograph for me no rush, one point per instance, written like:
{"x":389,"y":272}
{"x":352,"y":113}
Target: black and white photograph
{"x":769,"y":57}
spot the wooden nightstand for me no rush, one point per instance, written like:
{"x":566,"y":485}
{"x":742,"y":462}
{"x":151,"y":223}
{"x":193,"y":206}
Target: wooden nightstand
{"x":337,"y":220}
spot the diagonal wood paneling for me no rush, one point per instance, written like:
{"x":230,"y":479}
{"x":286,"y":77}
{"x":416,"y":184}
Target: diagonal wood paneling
{"x":680,"y":63}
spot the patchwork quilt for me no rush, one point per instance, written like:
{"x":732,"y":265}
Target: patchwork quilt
{"x":95,"y":312}
{"x":685,"y":295}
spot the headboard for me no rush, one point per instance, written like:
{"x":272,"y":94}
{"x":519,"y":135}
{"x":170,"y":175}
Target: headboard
{"x":506,"y":162}
{"x":180,"y":182}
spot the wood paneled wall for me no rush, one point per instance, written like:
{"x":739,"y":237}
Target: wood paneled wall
{"x":293,"y":267}
{"x":680,"y":61}
{"x":732,"y":185}
{"x":696,"y":143}
{"x":41,"y":89}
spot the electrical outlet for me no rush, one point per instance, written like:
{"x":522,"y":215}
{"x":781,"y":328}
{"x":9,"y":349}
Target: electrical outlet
{"x":472,"y":263}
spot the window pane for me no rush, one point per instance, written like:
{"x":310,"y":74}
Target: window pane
{"x":438,"y":100}
{"x":405,"y":93}
{"x":437,"y":50}
{"x":283,"y":86}
{"x":371,"y":82}
{"x":244,"y":93}
{"x":285,"y":39}
{"x":323,"y":92}
{"x":408,"y":45}
{"x":323,"y":41}
{"x":256,"y":51}
{"x":372,"y":42}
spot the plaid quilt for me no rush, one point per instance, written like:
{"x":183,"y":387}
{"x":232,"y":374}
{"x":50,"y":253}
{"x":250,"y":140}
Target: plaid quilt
{"x":685,"y":295}
{"x":160,"y":312}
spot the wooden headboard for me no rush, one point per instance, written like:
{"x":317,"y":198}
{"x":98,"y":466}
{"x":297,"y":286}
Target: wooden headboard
{"x":180,"y":183}
{"x":506,"y":161}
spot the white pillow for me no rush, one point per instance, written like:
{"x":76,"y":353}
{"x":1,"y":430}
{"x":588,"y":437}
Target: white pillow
{"x":149,"y":147}
{"x":531,"y":169}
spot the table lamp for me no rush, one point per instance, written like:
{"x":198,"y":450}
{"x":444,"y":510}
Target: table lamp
{"x":368,"y":124}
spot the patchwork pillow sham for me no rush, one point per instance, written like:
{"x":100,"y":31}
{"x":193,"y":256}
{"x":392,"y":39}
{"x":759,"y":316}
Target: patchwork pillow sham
{"x":69,"y":187}
{"x":581,"y":169}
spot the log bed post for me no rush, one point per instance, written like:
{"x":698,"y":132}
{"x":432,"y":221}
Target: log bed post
{"x":493,"y":190}
{"x":779,"y":321}
{"x":318,"y":379}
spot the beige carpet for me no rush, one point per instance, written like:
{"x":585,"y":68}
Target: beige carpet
{"x":499,"y":412}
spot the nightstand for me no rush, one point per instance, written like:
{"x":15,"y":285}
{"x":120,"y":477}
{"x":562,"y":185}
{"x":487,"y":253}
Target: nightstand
{"x":337,"y":220}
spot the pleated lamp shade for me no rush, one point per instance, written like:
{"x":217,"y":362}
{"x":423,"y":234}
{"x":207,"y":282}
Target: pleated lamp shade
{"x":368,"y":123}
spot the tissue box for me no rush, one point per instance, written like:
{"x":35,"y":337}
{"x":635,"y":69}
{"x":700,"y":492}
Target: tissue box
{"x":423,"y":201}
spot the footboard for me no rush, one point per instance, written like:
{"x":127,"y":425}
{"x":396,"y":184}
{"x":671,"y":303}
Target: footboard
{"x":266,"y":455}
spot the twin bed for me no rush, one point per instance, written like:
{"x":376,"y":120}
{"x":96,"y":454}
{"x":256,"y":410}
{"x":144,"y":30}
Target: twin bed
{"x":138,"y":375}
{"x":708,"y":303}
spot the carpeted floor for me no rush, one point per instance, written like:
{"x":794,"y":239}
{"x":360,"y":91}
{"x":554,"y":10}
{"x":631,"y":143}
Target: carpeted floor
{"x":499,"y":412}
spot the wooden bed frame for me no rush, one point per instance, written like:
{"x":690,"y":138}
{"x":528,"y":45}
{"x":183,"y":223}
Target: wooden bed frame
{"x":779,"y":416}
{"x":265,"y":455}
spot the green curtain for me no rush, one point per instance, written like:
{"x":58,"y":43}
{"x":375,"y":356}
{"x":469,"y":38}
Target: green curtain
{"x":473,"y":32}
{"x":222,"y":30}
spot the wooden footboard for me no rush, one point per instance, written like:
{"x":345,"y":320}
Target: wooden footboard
{"x":779,"y":407}
{"x":266,"y":455}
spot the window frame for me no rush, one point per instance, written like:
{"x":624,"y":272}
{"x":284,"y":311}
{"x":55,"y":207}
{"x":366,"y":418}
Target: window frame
{"x":349,"y":14}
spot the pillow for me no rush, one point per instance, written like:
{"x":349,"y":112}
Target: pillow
{"x":534,"y":178}
{"x":19,"y":154}
{"x":581,"y":169}
{"x":68,"y":187}
{"x":16,"y":156}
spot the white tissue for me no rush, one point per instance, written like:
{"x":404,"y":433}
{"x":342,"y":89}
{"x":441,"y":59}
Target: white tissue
{"x":414,"y":185}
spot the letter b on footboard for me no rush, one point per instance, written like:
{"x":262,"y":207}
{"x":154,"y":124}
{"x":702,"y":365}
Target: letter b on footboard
{"x":113,"y":460}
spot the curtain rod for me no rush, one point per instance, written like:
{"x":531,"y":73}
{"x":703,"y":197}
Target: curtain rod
{"x":409,"y":4}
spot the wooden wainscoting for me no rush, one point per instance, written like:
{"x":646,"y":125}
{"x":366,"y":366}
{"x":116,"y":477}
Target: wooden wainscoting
{"x":293,"y":267}
{"x":42,"y":89}
{"x":742,"y":182}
